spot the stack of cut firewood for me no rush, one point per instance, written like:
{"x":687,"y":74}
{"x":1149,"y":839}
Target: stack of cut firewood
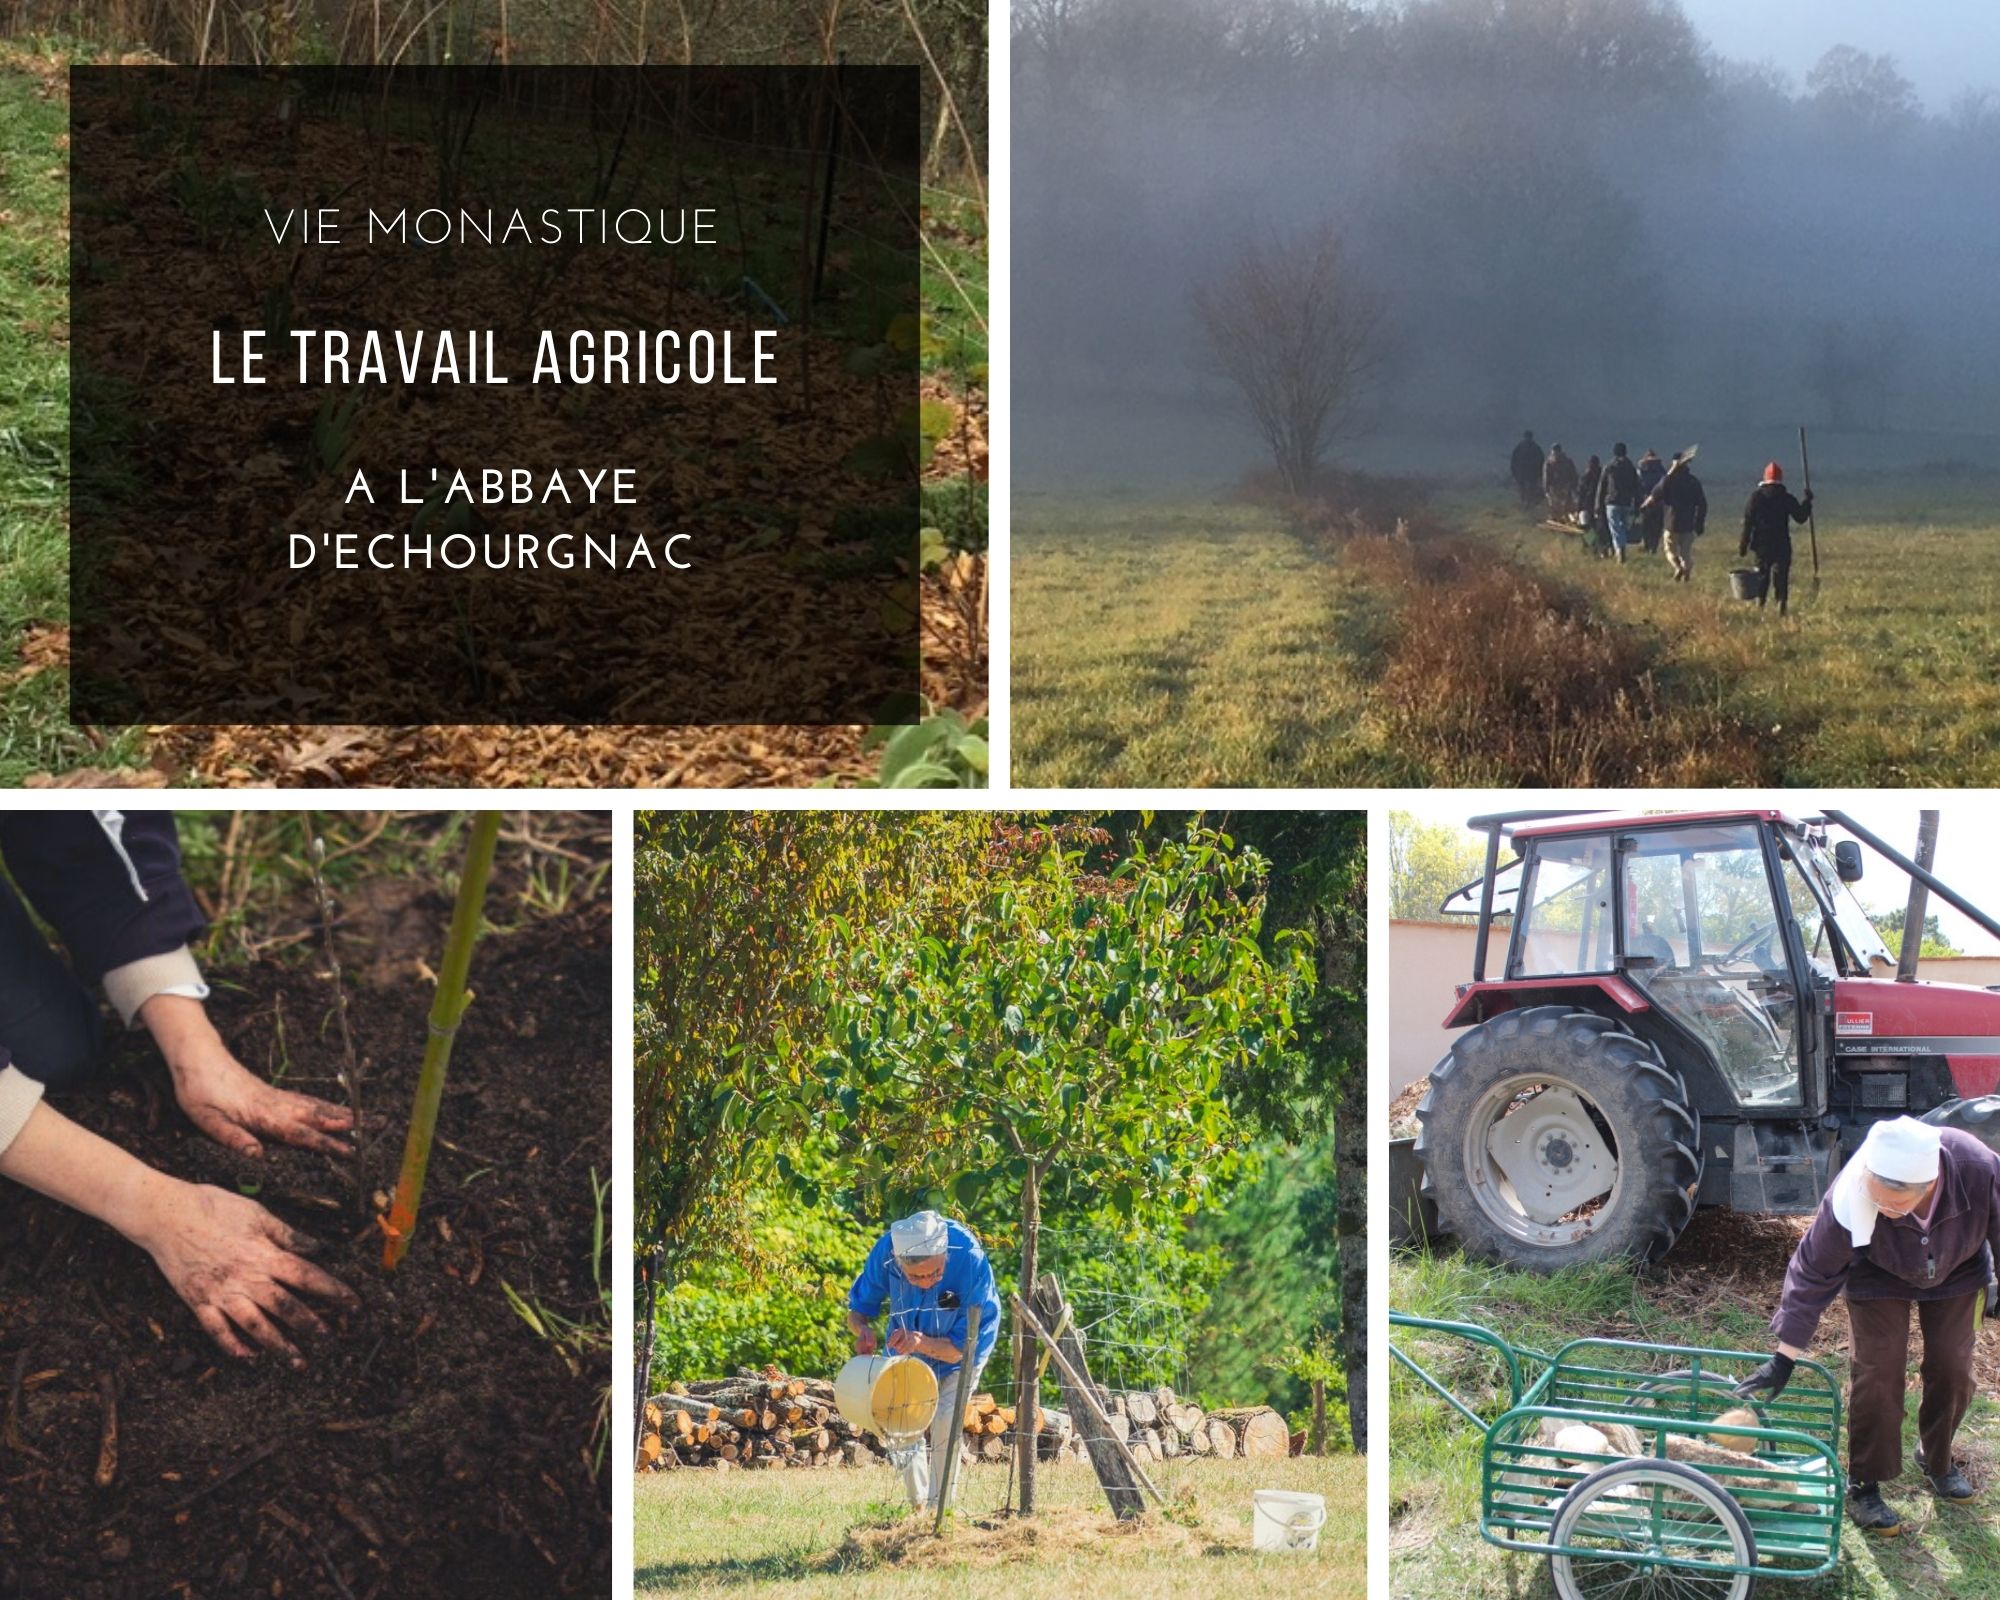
{"x":1157,"y":1424}
{"x":755,"y":1423}
{"x":768,"y":1420}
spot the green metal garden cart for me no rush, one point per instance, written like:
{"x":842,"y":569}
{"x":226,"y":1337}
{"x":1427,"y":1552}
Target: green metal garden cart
{"x":1608,"y":1460}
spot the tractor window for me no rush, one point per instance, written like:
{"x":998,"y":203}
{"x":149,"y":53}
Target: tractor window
{"x":1703,"y":939}
{"x":1810,"y":916}
{"x":1566,"y":927}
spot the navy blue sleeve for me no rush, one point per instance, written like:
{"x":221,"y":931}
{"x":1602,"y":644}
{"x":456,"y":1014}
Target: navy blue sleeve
{"x":109,"y":882}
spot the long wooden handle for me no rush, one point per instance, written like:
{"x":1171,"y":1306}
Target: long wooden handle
{"x":1812,"y":522}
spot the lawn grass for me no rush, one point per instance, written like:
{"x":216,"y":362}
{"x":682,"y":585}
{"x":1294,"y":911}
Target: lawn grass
{"x":1435,"y":1546}
{"x":35,"y":735}
{"x":1175,"y":642}
{"x":1162,"y":644}
{"x":1885,"y":678}
{"x":703,"y":1533}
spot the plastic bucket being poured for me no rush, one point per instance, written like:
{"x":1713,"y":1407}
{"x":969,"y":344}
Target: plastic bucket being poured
{"x":894,"y":1397}
{"x":1283,"y":1520}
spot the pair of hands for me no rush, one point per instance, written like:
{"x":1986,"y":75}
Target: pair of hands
{"x":241,"y":1271}
{"x":902,"y":1342}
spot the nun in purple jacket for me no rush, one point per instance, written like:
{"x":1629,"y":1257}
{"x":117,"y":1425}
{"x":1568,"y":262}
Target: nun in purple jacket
{"x":1911,"y":1223}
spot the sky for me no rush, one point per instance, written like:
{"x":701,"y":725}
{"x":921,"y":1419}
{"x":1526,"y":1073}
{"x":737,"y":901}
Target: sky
{"x":1966,"y":858}
{"x":1942,"y":46}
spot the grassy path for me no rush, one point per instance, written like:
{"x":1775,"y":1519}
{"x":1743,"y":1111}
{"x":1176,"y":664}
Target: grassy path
{"x":775,"y":1534}
{"x":1185,"y":645}
{"x":1886,"y":678}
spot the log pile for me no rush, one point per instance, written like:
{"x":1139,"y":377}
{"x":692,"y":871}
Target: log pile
{"x":769,"y":1421}
{"x":1159,"y":1426}
{"x":755,"y":1424}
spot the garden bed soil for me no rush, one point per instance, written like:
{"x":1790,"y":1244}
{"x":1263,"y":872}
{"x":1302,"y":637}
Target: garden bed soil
{"x":434,"y":1445}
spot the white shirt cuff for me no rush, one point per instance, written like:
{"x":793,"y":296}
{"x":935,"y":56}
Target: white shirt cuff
{"x":129,"y":987}
{"x":19,"y":1094}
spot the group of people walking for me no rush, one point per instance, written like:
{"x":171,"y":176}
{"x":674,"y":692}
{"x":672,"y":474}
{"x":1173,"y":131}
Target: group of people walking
{"x":1656,"y":504}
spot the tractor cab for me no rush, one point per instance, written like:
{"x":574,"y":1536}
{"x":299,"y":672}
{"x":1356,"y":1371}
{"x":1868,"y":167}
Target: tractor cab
{"x":1702,"y":991}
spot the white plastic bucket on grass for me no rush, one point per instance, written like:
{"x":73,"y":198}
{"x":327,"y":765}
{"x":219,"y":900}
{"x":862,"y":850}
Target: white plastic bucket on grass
{"x":893,"y":1397}
{"x":1281,"y":1519}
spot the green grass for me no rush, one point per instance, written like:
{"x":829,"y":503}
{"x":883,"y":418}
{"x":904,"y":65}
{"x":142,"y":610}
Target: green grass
{"x":1885,"y":678}
{"x":702,"y":1533}
{"x":1176,"y":645}
{"x":34,"y":430}
{"x":1436,"y":1552}
{"x":1170,"y":642}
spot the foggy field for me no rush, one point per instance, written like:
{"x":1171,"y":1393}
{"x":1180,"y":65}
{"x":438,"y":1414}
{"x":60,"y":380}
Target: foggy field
{"x":1186,"y":642}
{"x":701,"y":1533}
{"x":1183,"y":643}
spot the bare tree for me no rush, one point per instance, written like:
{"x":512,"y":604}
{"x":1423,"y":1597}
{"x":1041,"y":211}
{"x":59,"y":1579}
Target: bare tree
{"x":1290,"y":325}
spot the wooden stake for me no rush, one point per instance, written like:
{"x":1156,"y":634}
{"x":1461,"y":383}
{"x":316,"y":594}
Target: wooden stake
{"x":1080,"y":1391}
{"x":961,"y":1394}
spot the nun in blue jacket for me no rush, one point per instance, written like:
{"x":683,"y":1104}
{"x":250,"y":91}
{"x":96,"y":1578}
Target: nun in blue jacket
{"x":927,"y":1272}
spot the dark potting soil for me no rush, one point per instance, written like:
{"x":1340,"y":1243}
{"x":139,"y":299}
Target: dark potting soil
{"x":435,"y":1445}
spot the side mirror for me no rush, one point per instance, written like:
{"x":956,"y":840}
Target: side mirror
{"x":1847,"y":861}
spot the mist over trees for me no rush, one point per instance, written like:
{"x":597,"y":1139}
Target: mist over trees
{"x":1570,"y":209}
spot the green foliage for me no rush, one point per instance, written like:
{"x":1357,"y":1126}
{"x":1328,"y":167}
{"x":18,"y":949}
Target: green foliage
{"x":1427,"y":861}
{"x":786,"y":1304}
{"x":1278,"y":1295}
{"x":944,"y":751}
{"x":1890,"y":925}
{"x":1068,"y":1018}
{"x":738,"y":919}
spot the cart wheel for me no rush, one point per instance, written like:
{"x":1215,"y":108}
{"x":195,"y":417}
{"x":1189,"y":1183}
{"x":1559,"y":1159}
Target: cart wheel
{"x":1711,"y":1388}
{"x":1690,"y":1527}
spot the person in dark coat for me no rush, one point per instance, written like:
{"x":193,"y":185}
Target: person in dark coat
{"x":1767,"y":533}
{"x":110,"y":884}
{"x":1652,"y":516}
{"x":1911,"y":1222}
{"x":1618,"y":498}
{"x":1559,"y":481}
{"x":1682,"y":504}
{"x":1586,"y":502}
{"x":1526,"y":466}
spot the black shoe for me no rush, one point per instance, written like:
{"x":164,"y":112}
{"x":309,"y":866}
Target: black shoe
{"x":1951,"y":1485}
{"x":1871,"y":1513}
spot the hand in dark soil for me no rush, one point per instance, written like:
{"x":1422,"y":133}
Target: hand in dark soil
{"x":237,"y":1266}
{"x":233,"y":1106}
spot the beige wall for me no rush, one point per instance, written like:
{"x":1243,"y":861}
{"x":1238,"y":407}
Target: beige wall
{"x":1428,"y":960}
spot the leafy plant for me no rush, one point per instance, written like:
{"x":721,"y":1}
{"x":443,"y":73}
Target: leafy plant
{"x":944,"y":751}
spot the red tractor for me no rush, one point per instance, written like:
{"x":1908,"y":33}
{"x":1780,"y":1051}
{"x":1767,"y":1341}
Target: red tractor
{"x":1692,"y":1010}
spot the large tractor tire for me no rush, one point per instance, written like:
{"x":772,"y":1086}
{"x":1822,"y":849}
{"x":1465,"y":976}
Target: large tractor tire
{"x":1551,"y":1138}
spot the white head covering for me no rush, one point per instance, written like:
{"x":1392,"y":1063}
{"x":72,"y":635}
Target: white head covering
{"x":1902,"y":1150}
{"x":919,"y":1237}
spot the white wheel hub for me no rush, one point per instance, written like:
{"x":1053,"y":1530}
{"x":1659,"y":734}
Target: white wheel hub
{"x":1551,"y":1154}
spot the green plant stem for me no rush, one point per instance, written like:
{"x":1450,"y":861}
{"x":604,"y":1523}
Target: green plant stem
{"x":447,"y":1009}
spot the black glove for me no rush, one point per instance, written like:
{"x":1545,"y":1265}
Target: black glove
{"x":1769,"y":1379}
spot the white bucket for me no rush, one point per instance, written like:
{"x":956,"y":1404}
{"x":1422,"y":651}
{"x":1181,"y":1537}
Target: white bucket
{"x":894,"y":1397}
{"x":1283,"y":1520}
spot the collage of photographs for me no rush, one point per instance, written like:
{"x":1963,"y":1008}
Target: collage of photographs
{"x":950,"y":797}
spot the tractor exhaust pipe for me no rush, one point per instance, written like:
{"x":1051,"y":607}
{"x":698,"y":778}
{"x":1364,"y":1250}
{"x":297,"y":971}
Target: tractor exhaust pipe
{"x":1923,"y":875}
